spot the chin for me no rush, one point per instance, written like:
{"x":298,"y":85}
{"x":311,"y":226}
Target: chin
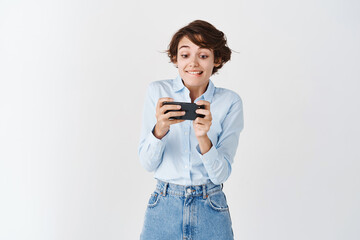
{"x":194,"y":78}
{"x":195,"y":83}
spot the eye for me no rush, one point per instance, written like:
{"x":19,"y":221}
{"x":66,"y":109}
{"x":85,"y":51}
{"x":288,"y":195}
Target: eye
{"x":184,"y":55}
{"x":203,"y":56}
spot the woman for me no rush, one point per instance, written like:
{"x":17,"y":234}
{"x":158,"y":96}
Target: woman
{"x":191,"y":159}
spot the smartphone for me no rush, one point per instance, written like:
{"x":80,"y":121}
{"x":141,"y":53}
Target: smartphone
{"x":189,"y":109}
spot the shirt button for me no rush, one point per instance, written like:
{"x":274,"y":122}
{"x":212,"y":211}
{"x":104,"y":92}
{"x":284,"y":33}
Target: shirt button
{"x":186,"y":133}
{"x":186,"y":166}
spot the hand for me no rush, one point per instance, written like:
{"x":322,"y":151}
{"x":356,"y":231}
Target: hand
{"x":162,"y":120}
{"x":202,"y":125}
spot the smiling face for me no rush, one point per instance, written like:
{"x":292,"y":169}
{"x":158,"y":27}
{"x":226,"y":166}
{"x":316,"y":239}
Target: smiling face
{"x":195,"y":64}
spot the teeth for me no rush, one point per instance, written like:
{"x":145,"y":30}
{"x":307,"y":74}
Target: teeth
{"x":194,"y":72}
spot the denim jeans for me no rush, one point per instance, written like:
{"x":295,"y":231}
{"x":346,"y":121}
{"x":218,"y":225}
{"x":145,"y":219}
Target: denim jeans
{"x":177,"y":212}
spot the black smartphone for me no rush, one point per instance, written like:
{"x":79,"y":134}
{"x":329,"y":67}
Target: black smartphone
{"x":189,"y":109}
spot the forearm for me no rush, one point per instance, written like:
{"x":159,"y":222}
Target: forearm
{"x":217,"y":165}
{"x":205,"y":144}
{"x":150,"y":152}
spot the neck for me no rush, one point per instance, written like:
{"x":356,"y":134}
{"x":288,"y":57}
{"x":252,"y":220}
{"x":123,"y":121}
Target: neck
{"x":196,"y":92}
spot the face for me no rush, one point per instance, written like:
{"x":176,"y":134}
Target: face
{"x":195,"y":64}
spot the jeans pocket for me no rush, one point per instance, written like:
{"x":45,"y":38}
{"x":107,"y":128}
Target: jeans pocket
{"x":154,"y":200}
{"x":217,"y":201}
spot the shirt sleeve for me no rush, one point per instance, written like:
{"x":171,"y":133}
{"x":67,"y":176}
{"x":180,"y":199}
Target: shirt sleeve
{"x":150,"y":148}
{"x":218,"y":159}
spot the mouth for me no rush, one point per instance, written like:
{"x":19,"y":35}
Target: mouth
{"x":195,"y":73}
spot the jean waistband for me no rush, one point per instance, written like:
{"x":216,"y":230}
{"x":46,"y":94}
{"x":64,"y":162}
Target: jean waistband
{"x":192,"y":190}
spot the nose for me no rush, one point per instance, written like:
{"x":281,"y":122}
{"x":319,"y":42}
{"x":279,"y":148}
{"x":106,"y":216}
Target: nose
{"x":194,"y":62}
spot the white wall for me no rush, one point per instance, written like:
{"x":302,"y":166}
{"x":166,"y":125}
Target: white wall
{"x":72,"y":81}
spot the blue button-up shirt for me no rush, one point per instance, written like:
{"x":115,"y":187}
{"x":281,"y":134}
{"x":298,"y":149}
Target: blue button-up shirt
{"x":176,"y":158}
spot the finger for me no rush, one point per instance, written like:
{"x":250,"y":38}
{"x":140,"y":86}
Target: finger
{"x":199,"y":121}
{"x":161,"y":100}
{"x":174,"y":114}
{"x":203,"y":111}
{"x":206,"y":113}
{"x":203,"y":102}
{"x":176,"y":121}
{"x":165,"y":108}
{"x":200,"y":127}
{"x":202,"y":121}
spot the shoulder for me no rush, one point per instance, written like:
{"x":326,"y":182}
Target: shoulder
{"x":227,"y":95}
{"x":161,"y":84}
{"x":160,"y":88}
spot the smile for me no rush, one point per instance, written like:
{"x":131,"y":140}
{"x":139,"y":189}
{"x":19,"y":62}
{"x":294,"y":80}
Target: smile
{"x":195,"y":72}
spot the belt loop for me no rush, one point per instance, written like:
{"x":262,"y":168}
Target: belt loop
{"x":165,"y":189}
{"x":204,"y":191}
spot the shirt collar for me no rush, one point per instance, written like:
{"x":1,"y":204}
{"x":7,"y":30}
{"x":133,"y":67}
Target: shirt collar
{"x":209,"y":93}
{"x":178,"y":85}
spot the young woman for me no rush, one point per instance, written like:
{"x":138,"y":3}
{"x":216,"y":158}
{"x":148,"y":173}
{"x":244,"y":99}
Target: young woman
{"x":191,"y":159}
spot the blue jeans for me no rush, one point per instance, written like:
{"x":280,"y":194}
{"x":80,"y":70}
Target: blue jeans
{"x":177,"y":212}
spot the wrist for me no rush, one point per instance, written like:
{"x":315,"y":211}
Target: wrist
{"x":205,"y":144}
{"x":159,"y":133}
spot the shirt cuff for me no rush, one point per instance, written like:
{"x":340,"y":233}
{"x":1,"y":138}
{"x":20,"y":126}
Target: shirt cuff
{"x":210,"y":157}
{"x":157,"y":141}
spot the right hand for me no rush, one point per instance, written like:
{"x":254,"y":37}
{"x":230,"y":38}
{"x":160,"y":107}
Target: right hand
{"x":163,"y":123}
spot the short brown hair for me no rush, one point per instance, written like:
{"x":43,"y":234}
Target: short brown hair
{"x":204,"y":35}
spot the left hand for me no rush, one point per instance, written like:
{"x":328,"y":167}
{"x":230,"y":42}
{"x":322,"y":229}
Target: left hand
{"x":202,"y":125}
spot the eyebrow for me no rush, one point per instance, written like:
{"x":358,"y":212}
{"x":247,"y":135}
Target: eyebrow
{"x":186,"y":46}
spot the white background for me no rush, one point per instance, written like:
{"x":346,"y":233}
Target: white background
{"x":72,"y":80}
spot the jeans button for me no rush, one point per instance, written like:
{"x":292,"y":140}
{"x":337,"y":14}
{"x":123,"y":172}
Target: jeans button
{"x":188,"y":190}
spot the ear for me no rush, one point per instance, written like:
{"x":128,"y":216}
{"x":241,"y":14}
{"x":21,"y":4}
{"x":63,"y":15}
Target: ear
{"x":217,"y":62}
{"x":174,"y":60}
